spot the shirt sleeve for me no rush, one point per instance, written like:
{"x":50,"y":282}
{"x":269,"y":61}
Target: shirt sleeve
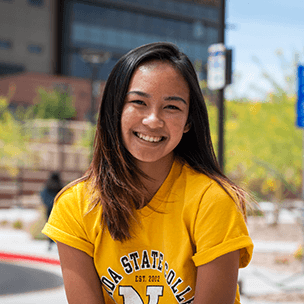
{"x":66,"y":223}
{"x":220,"y":228}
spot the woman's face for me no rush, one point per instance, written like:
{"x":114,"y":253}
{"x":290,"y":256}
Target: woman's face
{"x":155,"y":112}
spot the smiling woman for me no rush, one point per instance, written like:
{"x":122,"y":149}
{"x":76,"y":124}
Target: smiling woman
{"x":154,"y":220}
{"x":155,"y":114}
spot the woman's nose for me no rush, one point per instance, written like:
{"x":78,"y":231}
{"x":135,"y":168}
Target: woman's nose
{"x":153,"y":120}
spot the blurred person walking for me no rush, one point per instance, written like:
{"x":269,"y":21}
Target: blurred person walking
{"x":52,"y":186}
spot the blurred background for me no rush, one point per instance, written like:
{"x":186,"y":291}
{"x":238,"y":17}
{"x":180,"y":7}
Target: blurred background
{"x":55,"y":56}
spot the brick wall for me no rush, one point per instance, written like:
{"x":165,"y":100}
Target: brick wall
{"x":21,"y":89}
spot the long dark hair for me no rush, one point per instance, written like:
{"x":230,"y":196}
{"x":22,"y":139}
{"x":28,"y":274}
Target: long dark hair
{"x":113,"y":176}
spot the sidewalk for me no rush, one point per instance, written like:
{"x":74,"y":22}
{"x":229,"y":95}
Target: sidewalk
{"x":19,"y":246}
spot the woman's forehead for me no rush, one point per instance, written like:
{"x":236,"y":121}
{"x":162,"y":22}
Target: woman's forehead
{"x":149,"y":66}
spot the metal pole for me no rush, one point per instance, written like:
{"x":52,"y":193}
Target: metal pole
{"x":93,"y":79}
{"x":94,"y":58}
{"x":221,"y":116}
{"x":302,"y":209}
{"x":221,"y":106}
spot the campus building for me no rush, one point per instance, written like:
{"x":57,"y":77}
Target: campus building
{"x":118,"y":26}
{"x":42,"y":43}
{"x":48,"y":36}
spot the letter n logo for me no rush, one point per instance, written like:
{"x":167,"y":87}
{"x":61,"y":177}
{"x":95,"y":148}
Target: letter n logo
{"x":131,"y":296}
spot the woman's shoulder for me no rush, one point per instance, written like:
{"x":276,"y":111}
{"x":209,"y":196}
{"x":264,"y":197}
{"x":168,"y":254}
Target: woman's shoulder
{"x":195,"y":177}
{"x":201,"y":184}
{"x":76,"y":191}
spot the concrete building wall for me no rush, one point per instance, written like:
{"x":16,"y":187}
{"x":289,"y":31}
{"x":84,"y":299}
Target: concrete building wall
{"x":23,"y":25}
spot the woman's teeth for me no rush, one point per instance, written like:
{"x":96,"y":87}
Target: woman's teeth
{"x":149,"y":138}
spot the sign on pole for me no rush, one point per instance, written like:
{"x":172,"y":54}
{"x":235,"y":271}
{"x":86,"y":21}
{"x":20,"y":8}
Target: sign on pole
{"x":300,"y":103}
{"x":300,"y":124}
{"x":216,"y":75}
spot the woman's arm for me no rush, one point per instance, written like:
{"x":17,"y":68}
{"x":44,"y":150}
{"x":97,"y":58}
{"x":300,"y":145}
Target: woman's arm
{"x":81,"y":281}
{"x":217,"y":281}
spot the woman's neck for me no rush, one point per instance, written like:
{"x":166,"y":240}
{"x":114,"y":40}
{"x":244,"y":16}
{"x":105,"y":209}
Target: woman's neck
{"x":157,"y":173}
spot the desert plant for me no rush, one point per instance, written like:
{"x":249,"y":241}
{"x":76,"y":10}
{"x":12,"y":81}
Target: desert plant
{"x":18,"y":224}
{"x":282,"y":261}
{"x":36,"y":227}
{"x":3,"y":223}
{"x":13,"y":139}
{"x":298,"y":254}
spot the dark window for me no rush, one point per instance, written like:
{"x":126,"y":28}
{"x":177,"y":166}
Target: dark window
{"x":6,"y":69}
{"x":36,"y":2}
{"x":34,"y":48}
{"x":5,"y":44}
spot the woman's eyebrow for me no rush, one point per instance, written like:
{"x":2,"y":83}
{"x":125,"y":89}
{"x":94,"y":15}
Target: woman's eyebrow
{"x":143,"y":94}
{"x":176,"y":98}
{"x":140,"y":93}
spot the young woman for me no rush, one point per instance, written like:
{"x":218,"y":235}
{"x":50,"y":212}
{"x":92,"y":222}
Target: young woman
{"x":153,"y":220}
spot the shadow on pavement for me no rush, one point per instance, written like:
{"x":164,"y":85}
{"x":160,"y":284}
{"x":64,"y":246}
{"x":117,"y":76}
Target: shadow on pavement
{"x":16,"y":279}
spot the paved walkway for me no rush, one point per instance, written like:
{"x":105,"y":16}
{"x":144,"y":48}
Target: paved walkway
{"x":17,"y":245}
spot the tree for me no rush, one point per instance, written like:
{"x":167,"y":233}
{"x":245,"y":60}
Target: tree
{"x":263,"y":145}
{"x":13,"y":138}
{"x":17,"y":129}
{"x":260,"y":136}
{"x":53,"y":104}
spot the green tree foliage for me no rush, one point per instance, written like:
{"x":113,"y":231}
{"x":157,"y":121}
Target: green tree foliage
{"x":13,"y":138}
{"x":263,"y":145}
{"x":18,"y":129}
{"x":210,"y":98}
{"x":53,"y":104}
{"x":87,"y":140}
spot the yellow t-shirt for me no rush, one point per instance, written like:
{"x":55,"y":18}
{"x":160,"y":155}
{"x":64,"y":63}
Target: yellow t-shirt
{"x":189,"y":222}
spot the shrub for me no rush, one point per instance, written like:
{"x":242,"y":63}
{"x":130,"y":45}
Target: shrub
{"x":298,"y":254}
{"x":18,"y":224}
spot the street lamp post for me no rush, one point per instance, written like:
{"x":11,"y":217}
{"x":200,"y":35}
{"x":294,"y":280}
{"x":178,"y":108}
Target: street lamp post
{"x":221,"y":105}
{"x":94,"y":58}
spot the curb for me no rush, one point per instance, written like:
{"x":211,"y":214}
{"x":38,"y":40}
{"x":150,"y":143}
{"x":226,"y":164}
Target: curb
{"x":23,"y":257}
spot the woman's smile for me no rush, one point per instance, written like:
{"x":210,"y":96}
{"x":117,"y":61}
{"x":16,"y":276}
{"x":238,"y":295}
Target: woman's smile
{"x":147,"y":138}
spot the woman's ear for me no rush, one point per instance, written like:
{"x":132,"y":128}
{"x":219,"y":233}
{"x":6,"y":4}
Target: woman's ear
{"x":187,"y":126}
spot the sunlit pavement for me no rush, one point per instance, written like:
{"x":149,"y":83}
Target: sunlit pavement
{"x":17,"y":247}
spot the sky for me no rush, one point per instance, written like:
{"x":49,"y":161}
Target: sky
{"x":258,"y":28}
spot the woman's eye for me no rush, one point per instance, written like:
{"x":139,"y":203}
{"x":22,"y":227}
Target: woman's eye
{"x":172,"y":107}
{"x":139,"y":102}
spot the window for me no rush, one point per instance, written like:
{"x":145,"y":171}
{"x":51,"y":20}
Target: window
{"x":6,"y":69}
{"x":35,"y":2}
{"x":212,"y":35}
{"x":198,"y":30}
{"x":5,"y":44}
{"x":34,"y":48}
